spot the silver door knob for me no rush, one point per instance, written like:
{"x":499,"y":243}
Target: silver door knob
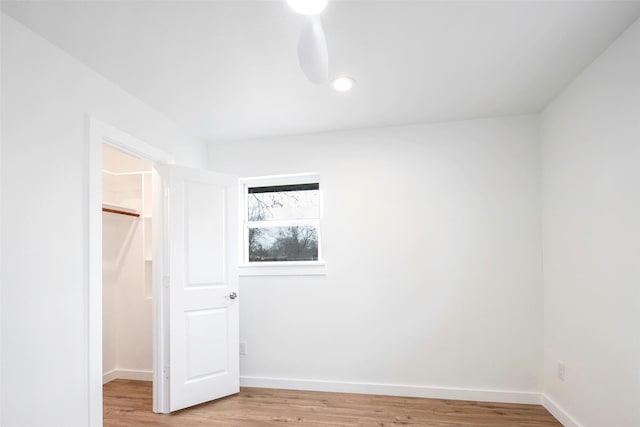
{"x":233,"y":295}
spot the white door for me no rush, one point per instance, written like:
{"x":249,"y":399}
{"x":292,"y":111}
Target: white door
{"x":202,"y":294}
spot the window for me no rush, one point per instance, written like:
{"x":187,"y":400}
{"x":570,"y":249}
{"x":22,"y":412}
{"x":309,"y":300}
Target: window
{"x":281,"y":225}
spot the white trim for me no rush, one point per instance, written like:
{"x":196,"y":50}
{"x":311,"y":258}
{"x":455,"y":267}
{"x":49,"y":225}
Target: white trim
{"x":127,"y":374}
{"x":128,"y":143}
{"x":94,"y":262}
{"x":559,"y":413}
{"x":1,"y":269}
{"x":284,"y":223}
{"x":159,"y":305}
{"x":292,"y":178}
{"x":293,"y":268}
{"x":110,"y":376}
{"x":101,"y":133}
{"x":478,"y":395}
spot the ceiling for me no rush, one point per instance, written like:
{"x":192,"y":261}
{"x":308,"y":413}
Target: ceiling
{"x":228,"y":70}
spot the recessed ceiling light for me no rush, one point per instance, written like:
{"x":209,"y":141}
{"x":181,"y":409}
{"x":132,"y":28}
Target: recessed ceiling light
{"x":343,"y":83}
{"x":307,"y":7}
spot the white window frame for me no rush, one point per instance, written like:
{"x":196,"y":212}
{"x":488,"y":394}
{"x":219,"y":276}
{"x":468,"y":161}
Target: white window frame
{"x":278,"y":268}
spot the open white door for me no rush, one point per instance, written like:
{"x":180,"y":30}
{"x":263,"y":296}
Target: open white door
{"x":201,"y":286}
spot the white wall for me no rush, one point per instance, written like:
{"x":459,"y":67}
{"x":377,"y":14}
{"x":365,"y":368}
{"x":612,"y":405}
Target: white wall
{"x":1,"y":239}
{"x":47,"y":97}
{"x":432,"y":238}
{"x":591,"y":223}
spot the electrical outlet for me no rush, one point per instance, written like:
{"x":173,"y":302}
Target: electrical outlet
{"x":243,"y":348}
{"x":561,"y":371}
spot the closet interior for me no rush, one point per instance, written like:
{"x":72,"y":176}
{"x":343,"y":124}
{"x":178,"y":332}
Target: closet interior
{"x":126,"y":273}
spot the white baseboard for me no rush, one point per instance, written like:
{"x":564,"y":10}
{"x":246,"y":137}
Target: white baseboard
{"x":127,"y":374}
{"x":560,"y":414}
{"x":501,"y":396}
{"x":109,"y":376}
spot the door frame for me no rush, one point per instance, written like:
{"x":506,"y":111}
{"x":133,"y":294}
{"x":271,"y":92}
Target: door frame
{"x":102,"y":133}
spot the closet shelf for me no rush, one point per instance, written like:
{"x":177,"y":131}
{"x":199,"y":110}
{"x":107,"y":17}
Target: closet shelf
{"x":116,"y":209}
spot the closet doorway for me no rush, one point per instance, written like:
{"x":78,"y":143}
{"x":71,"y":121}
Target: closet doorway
{"x":189,"y":279}
{"x":126,"y":251}
{"x":127,"y":260}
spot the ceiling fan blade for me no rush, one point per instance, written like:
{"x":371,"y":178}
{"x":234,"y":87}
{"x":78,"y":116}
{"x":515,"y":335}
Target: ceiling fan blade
{"x":313,"y":54}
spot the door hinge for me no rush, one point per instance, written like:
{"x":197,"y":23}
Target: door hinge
{"x":165,"y":281}
{"x":166,"y":372}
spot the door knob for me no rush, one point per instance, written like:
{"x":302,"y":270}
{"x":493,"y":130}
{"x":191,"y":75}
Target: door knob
{"x":233,"y":295}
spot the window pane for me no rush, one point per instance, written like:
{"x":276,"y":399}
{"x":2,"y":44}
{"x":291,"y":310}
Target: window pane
{"x":283,"y":202}
{"x":299,"y":243}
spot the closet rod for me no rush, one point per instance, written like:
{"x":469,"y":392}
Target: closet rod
{"x":116,"y":211}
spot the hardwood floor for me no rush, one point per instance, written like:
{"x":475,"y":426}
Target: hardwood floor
{"x":128,"y":403}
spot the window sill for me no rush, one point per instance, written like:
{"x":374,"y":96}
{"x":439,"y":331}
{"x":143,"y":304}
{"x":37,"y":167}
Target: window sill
{"x":317,"y":268}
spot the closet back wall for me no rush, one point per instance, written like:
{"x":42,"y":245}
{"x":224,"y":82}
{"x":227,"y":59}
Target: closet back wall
{"x":431,"y":235}
{"x":127,"y":322}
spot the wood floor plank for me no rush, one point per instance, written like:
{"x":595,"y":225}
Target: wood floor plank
{"x":128,"y":403}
